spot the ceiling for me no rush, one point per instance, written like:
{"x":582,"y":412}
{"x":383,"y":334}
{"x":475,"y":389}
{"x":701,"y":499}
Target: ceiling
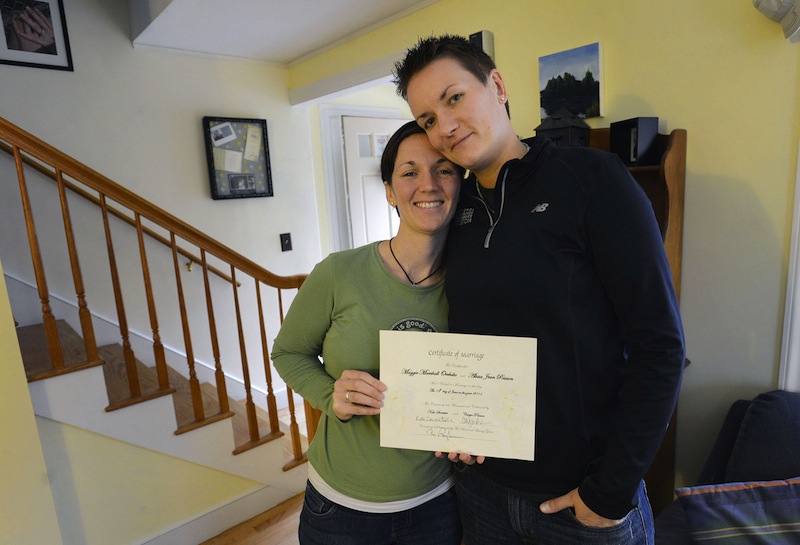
{"x":277,"y":31}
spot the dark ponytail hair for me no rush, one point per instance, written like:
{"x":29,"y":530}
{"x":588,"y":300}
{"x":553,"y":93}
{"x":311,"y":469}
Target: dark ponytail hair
{"x":393,"y":145}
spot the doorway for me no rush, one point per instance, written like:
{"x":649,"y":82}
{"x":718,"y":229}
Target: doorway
{"x":338,"y":195}
{"x":371,"y":219}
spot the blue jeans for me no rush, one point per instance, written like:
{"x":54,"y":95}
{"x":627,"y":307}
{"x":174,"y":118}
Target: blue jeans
{"x":494,"y":515}
{"x":323,"y":522}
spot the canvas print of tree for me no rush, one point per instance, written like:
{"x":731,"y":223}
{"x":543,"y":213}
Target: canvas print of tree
{"x":572,"y":79}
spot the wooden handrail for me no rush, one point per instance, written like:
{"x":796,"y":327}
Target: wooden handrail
{"x":42,"y":169}
{"x":29,"y":151}
{"x":96,"y":181}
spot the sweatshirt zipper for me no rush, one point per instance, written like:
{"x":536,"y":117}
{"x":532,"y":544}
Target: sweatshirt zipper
{"x":492,"y":222}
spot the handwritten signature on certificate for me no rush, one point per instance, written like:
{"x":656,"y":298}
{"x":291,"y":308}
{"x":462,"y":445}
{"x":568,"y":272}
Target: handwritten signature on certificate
{"x":459,"y":393}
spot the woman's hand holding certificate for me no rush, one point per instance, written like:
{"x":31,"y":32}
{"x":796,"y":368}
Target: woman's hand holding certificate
{"x":357,"y":393}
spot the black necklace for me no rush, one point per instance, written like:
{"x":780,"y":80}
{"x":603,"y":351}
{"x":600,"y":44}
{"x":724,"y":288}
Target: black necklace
{"x":434,"y":271}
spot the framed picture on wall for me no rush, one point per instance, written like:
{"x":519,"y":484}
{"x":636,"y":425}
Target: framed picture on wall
{"x":35,"y":34}
{"x":572,"y":80}
{"x":238,"y":157}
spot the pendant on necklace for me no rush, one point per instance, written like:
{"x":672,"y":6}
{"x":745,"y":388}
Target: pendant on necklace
{"x":434,"y":271}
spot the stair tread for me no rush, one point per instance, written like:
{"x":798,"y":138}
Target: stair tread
{"x":182,"y":399}
{"x":117,"y":384}
{"x":36,"y":357}
{"x":116,"y":375}
{"x":241,"y":433}
{"x":36,"y":353}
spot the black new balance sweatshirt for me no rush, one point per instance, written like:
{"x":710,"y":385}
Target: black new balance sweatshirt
{"x":567,"y":250}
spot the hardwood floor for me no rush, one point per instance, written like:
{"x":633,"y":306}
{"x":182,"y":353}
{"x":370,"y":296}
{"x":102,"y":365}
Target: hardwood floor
{"x":278,"y":526}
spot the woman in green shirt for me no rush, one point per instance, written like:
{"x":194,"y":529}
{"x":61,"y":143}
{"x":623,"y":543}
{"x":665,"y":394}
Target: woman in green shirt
{"x":360,"y":493}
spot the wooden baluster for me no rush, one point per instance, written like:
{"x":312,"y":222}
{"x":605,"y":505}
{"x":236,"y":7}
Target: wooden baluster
{"x":158,"y":347}
{"x":130,"y":361}
{"x":310,"y":414}
{"x":219,"y":375}
{"x":312,"y":419}
{"x":194,"y":383}
{"x":294,"y":431}
{"x":272,"y":406}
{"x":250,"y":407}
{"x":49,"y":321}
{"x":87,"y":329}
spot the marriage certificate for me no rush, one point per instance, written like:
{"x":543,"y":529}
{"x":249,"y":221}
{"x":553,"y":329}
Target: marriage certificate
{"x":459,"y":393}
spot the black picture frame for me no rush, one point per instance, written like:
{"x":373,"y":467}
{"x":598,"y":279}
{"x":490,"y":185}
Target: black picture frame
{"x":237,"y":151}
{"x":35,"y":34}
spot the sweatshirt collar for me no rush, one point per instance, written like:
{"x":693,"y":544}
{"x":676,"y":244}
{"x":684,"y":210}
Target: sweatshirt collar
{"x":519,"y":169}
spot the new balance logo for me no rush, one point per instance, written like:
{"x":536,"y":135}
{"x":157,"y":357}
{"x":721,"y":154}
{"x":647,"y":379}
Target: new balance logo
{"x":540,"y":207}
{"x":465,"y":217}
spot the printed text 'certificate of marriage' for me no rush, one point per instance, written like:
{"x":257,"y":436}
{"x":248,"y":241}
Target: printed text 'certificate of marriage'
{"x":459,"y":393}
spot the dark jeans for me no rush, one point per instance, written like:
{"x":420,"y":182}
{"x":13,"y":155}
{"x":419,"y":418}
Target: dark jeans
{"x":493,"y":515}
{"x":323,"y":522}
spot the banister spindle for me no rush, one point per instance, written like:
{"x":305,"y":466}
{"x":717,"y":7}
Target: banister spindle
{"x":194,"y":383}
{"x":219,"y":375}
{"x":130,"y":361}
{"x":272,"y":406}
{"x":294,"y":432}
{"x":158,"y":347}
{"x":310,"y":414}
{"x":49,"y":321}
{"x":250,"y":407}
{"x":87,"y":329}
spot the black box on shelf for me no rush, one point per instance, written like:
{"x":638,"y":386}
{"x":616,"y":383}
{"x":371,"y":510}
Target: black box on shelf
{"x":634,"y":141}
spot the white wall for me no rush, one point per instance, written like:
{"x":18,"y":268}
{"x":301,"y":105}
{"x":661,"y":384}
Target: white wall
{"x":135,"y":116}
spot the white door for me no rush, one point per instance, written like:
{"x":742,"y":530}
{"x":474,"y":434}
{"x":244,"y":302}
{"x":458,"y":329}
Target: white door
{"x":371,"y":217}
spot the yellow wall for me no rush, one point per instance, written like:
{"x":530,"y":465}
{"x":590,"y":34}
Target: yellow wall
{"x":717,"y":68}
{"x":59,"y":481}
{"x":27,"y":511}
{"x":113,"y":493}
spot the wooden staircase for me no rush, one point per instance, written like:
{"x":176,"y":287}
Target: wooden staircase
{"x":36,"y":359}
{"x":146,"y":298}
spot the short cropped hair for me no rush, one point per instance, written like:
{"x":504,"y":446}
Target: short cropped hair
{"x":427,"y":50}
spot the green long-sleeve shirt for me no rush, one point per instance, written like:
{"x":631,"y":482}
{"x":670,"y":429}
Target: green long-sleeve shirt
{"x":337,"y":314}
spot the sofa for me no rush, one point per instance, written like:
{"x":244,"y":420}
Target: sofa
{"x":749,"y":489}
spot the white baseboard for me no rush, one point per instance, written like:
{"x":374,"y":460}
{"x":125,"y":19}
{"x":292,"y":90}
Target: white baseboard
{"x":221,"y":518}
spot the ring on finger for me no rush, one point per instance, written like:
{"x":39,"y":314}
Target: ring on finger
{"x":347,"y":396}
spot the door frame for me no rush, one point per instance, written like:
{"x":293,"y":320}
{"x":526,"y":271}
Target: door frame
{"x":332,"y":134}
